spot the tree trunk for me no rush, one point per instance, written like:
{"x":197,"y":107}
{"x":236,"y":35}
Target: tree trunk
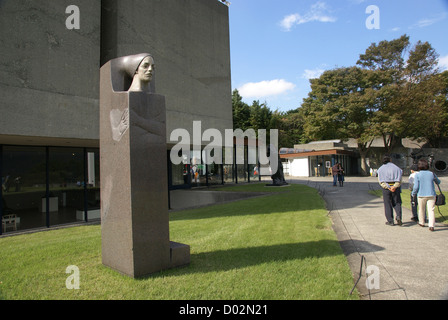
{"x":364,"y":149}
{"x":363,"y":163}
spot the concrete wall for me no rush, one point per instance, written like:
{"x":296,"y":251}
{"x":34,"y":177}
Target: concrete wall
{"x":299,"y":167}
{"x":49,"y":75}
{"x":189,"y":40}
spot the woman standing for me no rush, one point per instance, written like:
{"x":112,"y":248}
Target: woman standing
{"x":426,"y":193}
{"x":341,"y":175}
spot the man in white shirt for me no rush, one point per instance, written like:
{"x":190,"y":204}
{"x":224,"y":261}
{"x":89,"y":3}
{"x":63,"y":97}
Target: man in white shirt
{"x":389,"y":177}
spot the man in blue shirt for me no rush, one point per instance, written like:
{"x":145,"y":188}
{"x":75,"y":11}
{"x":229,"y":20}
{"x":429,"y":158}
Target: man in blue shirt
{"x":389,"y":177}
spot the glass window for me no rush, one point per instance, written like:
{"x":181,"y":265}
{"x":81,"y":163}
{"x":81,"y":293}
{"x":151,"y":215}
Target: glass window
{"x":242,"y":168}
{"x":93,"y":185}
{"x":180,"y":174}
{"x":213,"y":159}
{"x":254,"y":171}
{"x":66,"y":180}
{"x":214,"y":172}
{"x":197,"y":170}
{"x":228,"y":167}
{"x":23,"y":187}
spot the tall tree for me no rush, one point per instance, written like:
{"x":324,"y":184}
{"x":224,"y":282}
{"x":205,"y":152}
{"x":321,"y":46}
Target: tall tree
{"x":417,"y":107}
{"x":340,"y":106}
{"x":387,"y":62}
{"x":425,"y":107}
{"x":290,"y":127}
{"x":241,"y":112}
{"x":260,"y":116}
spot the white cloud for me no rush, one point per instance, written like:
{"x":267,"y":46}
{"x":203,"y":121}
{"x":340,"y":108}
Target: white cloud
{"x":429,"y":21}
{"x":312,"y":74}
{"x":443,"y":63}
{"x":317,"y":12}
{"x":265,"y":88}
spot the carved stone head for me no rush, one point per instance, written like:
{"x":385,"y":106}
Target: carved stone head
{"x":138,"y":70}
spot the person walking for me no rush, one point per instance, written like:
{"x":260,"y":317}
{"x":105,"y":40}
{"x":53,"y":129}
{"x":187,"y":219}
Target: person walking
{"x":335,"y":171}
{"x":414,"y":204}
{"x":389,"y":178}
{"x":426,"y":193}
{"x":341,"y":175}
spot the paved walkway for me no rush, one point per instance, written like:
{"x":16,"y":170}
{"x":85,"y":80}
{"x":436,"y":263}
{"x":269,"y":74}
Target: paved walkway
{"x":411,"y":261}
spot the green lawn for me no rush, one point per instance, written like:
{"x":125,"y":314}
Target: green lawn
{"x":276,"y":247}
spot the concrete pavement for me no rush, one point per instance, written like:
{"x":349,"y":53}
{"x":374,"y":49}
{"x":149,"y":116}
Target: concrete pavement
{"x":405,"y":263}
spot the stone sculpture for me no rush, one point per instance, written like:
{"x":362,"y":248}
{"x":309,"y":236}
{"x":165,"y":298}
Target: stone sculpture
{"x":134,"y":182}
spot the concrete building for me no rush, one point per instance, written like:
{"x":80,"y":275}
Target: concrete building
{"x":51,"y":52}
{"x":316,"y":158}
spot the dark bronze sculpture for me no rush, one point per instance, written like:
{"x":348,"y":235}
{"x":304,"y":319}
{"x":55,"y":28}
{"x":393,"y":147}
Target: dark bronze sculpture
{"x":278,"y":177}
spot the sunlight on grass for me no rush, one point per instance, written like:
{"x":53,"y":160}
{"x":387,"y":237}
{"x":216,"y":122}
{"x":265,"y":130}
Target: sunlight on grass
{"x":277,"y":247}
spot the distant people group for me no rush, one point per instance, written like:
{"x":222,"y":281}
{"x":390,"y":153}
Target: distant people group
{"x":423,"y":194}
{"x":338,"y":174}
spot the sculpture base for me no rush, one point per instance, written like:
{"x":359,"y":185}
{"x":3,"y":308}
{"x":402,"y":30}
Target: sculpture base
{"x":179,"y":254}
{"x":278,"y":185}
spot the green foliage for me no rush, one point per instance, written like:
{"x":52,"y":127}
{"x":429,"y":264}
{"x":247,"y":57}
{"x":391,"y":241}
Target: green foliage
{"x":394,"y":91}
{"x":260,"y":116}
{"x":241,"y":112}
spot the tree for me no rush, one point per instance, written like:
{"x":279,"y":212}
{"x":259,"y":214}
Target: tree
{"x":385,"y":96}
{"x":386,"y":61}
{"x":290,"y":127}
{"x":257,"y":116}
{"x":416,"y":107}
{"x":260,"y":116}
{"x":241,"y":112}
{"x":425,"y":106}
{"x":340,"y":106}
{"x":386,"y":56}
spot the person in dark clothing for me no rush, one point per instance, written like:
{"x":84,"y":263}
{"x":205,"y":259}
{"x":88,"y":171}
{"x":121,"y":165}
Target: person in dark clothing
{"x":341,"y":175}
{"x":389,"y":177}
{"x":335,"y":171}
{"x":414,"y":203}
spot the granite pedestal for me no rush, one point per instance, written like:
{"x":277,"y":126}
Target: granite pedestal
{"x":134,"y":190}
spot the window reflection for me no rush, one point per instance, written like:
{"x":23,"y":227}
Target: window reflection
{"x":66,"y":199}
{"x":73,"y":186}
{"x":93,"y":185}
{"x":24,"y":186}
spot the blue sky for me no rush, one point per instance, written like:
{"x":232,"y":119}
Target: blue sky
{"x":277,"y":46}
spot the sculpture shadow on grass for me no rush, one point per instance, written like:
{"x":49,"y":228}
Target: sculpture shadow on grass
{"x":238,"y":258}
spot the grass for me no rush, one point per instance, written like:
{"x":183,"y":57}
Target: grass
{"x":278,"y":247}
{"x":406,"y":203}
